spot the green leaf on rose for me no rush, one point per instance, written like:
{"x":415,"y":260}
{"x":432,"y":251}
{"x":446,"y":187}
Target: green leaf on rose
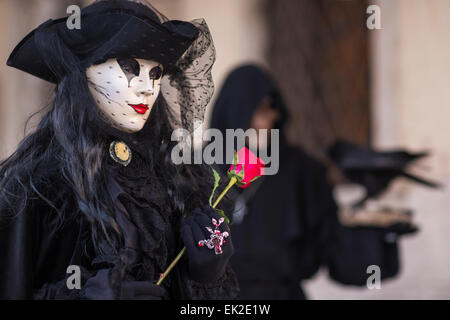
{"x":216,"y":184}
{"x":222,"y":213}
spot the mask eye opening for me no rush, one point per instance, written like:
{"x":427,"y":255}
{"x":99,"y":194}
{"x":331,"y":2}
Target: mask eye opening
{"x":129,"y":66}
{"x":156,"y":73}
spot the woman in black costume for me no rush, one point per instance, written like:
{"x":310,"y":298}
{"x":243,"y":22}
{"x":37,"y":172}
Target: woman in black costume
{"x":94,"y":185}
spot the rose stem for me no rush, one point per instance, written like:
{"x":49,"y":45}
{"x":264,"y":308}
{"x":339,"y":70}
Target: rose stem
{"x":233,"y":180}
{"x":174,"y":262}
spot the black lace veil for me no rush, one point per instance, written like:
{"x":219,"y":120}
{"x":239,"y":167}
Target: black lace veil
{"x":189,"y":91}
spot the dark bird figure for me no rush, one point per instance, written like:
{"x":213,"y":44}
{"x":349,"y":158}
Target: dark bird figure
{"x":374,"y":170}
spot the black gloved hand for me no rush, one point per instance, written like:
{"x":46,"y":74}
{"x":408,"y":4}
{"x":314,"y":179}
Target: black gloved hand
{"x":204,"y":264}
{"x":142,"y":290}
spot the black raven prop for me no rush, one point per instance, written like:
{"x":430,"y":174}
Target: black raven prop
{"x":372,"y":169}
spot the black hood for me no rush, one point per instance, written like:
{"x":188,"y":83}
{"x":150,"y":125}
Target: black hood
{"x":241,"y":94}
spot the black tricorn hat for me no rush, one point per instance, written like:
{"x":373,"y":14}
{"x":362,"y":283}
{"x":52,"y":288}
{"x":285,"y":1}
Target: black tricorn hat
{"x":109,"y":29}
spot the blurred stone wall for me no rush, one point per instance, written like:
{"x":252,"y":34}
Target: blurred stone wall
{"x":21,"y":94}
{"x":318,"y":53}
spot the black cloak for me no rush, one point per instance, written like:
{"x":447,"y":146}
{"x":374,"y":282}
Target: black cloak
{"x":289,"y":226}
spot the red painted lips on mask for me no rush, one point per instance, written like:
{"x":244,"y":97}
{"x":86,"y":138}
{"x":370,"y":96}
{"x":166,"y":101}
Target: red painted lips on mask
{"x":139,"y":108}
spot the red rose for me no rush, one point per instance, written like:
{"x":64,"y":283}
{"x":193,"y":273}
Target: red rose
{"x":246,"y":167}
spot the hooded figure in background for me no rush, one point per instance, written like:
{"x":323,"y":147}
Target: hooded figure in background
{"x":281,"y":224}
{"x":285,"y":227}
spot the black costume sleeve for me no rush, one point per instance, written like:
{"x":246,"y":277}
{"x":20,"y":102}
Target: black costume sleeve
{"x":318,"y":217}
{"x":19,"y":244}
{"x":37,"y":249}
{"x":36,"y":252}
{"x":95,"y":285}
{"x":102,"y":284}
{"x":224,"y":288}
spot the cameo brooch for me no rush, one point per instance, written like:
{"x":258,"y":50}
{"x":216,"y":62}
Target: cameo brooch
{"x":120,"y":152}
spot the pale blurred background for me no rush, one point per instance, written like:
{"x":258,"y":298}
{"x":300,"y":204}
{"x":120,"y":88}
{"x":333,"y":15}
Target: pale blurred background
{"x":387,"y":88}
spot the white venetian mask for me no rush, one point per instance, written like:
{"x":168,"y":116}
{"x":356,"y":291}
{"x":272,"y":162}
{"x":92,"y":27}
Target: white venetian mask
{"x":125,"y":90}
